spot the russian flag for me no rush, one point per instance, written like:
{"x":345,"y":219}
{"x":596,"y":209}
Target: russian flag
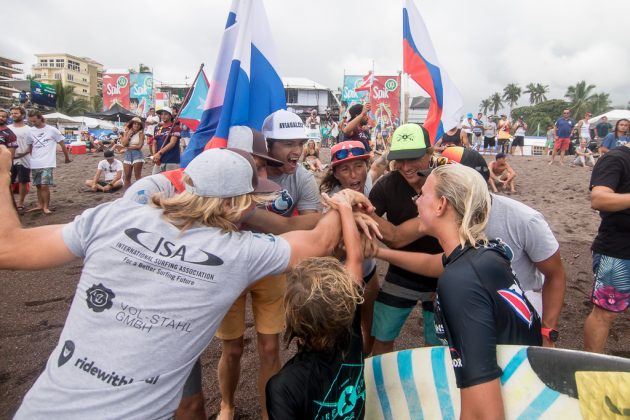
{"x":421,"y":64}
{"x":246,"y":86}
{"x":192,"y":111}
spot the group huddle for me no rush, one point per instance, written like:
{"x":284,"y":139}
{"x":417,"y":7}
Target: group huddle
{"x":168,"y":266}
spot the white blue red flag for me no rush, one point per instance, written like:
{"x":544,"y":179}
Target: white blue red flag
{"x":193,"y":108}
{"x":366,"y":83}
{"x":420,"y":62}
{"x":246,"y":86}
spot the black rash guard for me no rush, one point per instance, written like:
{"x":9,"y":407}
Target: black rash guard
{"x":480,"y":304}
{"x":316,"y":385}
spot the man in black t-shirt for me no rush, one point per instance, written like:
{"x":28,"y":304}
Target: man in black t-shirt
{"x":394,"y":195}
{"x":480,"y":304}
{"x":610,"y":194}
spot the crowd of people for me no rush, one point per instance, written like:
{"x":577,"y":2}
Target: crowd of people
{"x":252,"y":220}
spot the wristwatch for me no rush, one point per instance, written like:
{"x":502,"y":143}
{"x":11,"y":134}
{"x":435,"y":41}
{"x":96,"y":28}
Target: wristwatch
{"x":550,"y":333}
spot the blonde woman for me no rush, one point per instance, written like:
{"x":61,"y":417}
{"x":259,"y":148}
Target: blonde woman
{"x":310,"y":156}
{"x":479,"y":302}
{"x":180,"y":264}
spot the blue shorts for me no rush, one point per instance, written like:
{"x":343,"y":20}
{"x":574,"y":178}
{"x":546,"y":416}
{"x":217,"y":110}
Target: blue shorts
{"x":42,"y":176}
{"x":611,"y":290}
{"x":133,"y":156}
{"x":389,"y":320}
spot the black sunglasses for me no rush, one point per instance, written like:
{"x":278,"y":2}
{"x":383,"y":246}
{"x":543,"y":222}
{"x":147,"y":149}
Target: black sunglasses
{"x":355,"y":151}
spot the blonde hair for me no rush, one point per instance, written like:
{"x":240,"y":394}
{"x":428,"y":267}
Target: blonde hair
{"x":187,"y":209}
{"x":320,"y":305}
{"x":467,"y":192}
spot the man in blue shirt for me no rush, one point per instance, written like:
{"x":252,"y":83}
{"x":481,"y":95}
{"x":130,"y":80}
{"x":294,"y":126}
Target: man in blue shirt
{"x":562,"y":136}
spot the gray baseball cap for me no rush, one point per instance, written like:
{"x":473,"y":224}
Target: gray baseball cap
{"x":224,"y":173}
{"x":252,"y":141}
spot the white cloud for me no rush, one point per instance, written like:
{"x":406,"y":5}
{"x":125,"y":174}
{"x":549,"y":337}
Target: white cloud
{"x":483,"y":45}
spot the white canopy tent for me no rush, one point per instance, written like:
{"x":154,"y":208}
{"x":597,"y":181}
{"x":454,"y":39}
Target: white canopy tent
{"x":59,"y":118}
{"x":613,"y":116}
{"x":83,"y":122}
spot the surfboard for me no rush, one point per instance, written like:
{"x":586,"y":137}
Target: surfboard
{"x":537,"y":383}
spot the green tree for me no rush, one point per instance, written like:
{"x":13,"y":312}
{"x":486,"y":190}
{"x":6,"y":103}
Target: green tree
{"x":600,"y":103}
{"x":96,"y":101}
{"x":496,"y":102}
{"x":579,"y":97}
{"x":537,"y":92}
{"x":544,"y":113}
{"x":511,"y":93}
{"x":67,"y":101}
{"x":485,"y":105}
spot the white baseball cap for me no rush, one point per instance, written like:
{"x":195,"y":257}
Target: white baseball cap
{"x":284,"y":125}
{"x":224,"y":173}
{"x":165,"y":109}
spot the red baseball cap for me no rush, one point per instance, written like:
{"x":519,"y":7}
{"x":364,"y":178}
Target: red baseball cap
{"x":347,"y":151}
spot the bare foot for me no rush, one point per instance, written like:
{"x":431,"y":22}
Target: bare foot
{"x":226,"y":414}
{"x":46,"y":211}
{"x":551,"y":162}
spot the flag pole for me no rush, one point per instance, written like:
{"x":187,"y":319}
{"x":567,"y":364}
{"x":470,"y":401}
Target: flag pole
{"x":189,"y":93}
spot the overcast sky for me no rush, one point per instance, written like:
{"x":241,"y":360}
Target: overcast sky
{"x":483,"y":44}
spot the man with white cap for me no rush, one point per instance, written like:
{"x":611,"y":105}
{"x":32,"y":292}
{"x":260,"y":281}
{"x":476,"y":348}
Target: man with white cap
{"x":166,"y":137}
{"x":155,"y":283}
{"x":286,"y":135}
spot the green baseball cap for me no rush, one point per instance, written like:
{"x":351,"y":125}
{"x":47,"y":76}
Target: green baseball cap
{"x":410,"y":141}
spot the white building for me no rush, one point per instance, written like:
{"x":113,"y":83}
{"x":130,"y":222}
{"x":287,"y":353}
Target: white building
{"x":303,"y":95}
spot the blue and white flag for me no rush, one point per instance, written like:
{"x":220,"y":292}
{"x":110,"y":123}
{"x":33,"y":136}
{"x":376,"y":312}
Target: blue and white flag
{"x":246,"y":86}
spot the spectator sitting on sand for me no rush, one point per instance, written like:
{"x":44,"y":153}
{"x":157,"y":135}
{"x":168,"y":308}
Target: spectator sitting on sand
{"x":108,"y":176}
{"x":501,"y":174}
{"x":582,"y":154}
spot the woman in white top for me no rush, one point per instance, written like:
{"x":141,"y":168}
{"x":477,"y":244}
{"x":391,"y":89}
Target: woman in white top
{"x":584,"y":128}
{"x":133,"y":141}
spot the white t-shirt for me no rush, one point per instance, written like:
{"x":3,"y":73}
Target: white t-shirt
{"x":22,"y":134}
{"x":150,"y":124}
{"x":108,"y":171}
{"x":528,"y":235}
{"x":520,"y":131}
{"x":44,"y":141}
{"x":148,"y":303}
{"x":142,"y":190}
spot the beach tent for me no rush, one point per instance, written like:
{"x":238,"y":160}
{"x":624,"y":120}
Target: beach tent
{"x":115,"y":113}
{"x":93,"y":123}
{"x":59,"y":118}
{"x":613,"y":116}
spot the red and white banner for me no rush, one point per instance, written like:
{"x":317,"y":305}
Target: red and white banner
{"x":385,"y":102}
{"x":116,"y":90}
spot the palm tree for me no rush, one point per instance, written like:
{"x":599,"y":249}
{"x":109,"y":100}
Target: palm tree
{"x":511,"y":94}
{"x":496,"y":102}
{"x":579,"y":97}
{"x":537,"y":93}
{"x":485,"y":105}
{"x":96,"y":102}
{"x":600,"y":103}
{"x":67,"y":101}
{"x":541,"y":93}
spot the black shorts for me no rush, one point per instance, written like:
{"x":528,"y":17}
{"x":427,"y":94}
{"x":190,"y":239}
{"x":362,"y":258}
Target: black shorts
{"x":192,"y":385}
{"x":20,"y":173}
{"x":368,"y":277}
{"x":518,"y":141}
{"x":489,"y":142}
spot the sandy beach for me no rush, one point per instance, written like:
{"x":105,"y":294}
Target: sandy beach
{"x":34,"y":305}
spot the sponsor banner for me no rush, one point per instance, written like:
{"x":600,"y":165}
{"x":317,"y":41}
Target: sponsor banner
{"x":116,"y":90}
{"x":43,"y":94}
{"x":385,"y":102}
{"x":141,"y":93}
{"x":348,"y":95}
